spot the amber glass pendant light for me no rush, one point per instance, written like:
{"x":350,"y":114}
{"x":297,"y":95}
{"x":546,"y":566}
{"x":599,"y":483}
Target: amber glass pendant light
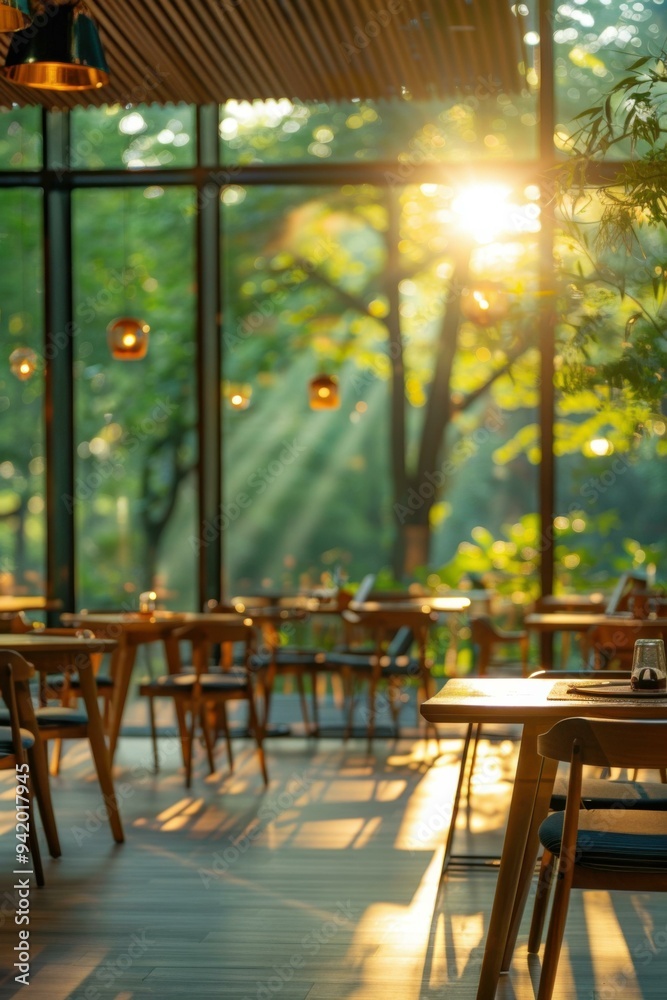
{"x":324,"y":393}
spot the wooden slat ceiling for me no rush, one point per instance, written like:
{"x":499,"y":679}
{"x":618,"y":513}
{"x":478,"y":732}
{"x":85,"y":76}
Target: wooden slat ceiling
{"x":202,"y":51}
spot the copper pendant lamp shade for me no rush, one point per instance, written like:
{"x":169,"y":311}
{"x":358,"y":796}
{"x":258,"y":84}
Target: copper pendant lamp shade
{"x":128,"y":338}
{"x":61,"y":50}
{"x":14,"y":15}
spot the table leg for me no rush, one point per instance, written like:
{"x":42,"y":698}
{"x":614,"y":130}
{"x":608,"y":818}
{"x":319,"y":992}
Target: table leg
{"x":125,"y":655}
{"x":174,"y":666}
{"x":547,"y":650}
{"x":511,"y":862}
{"x":101,"y":755}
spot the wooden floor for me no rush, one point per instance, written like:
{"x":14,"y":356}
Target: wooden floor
{"x":326,"y":886}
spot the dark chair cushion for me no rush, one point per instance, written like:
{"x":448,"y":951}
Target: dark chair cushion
{"x":288,"y":656}
{"x":392,"y":666}
{"x":231,"y":680}
{"x":614,"y":839}
{"x":168,"y":684}
{"x":6,"y":745}
{"x":57,"y":715}
{"x":599,"y":793}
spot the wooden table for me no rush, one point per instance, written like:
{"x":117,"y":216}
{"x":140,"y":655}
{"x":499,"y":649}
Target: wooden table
{"x":546,"y":624}
{"x":10,"y":605}
{"x":524,"y":701}
{"x":51,"y":654}
{"x":130,"y":630}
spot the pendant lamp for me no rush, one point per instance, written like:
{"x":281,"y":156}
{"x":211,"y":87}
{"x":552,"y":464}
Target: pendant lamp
{"x":128,"y":338}
{"x":323,"y":393}
{"x":23,"y":363}
{"x":14,"y":15}
{"x":61,"y":50}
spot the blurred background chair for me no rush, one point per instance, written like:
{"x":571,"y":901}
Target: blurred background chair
{"x":203,"y":689}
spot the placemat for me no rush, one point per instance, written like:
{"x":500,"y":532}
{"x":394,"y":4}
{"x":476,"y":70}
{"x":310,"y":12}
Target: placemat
{"x":559,"y":692}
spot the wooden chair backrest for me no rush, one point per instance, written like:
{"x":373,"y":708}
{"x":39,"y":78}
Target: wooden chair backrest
{"x":628,"y":584}
{"x":15,"y":671}
{"x":206,"y":635}
{"x":614,"y":645}
{"x":15,"y":623}
{"x":607,"y":742}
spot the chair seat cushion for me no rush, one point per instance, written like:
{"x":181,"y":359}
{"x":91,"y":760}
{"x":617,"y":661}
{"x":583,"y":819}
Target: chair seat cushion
{"x":168,"y":684}
{"x":56,"y":682}
{"x":103,"y":682}
{"x":57,"y":715}
{"x":6,"y":745}
{"x":600,"y":793}
{"x":392,"y":666}
{"x":288,"y":656}
{"x":614,"y":839}
{"x":231,"y":680}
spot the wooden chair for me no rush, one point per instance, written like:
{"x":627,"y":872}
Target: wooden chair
{"x":14,"y":622}
{"x":603,"y":848}
{"x":611,"y":647}
{"x":15,"y":743}
{"x":15,"y":676}
{"x":386,"y":663}
{"x":65,"y":688}
{"x":204,"y":689}
{"x":628,"y":586}
{"x":486,"y":636}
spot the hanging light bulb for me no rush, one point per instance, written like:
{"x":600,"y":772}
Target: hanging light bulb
{"x":128,"y":338}
{"x":23,"y":363}
{"x":484,"y":303}
{"x":324,"y":393}
{"x":61,"y":52}
{"x":14,"y":15}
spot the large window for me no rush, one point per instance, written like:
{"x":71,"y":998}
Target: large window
{"x":135,"y":420}
{"x":22,"y":469}
{"x":414,"y":276}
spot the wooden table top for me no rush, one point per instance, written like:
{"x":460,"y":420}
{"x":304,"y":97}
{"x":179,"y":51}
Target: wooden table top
{"x":515,"y":700}
{"x":573,"y":602}
{"x":35,"y":603}
{"x":25,"y":643}
{"x":422,"y":605}
{"x":130,"y":621}
{"x":575,"y":621}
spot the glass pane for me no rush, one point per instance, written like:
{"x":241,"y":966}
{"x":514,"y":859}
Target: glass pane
{"x":485,"y":124}
{"x":20,"y":138}
{"x":22,"y":481}
{"x":286,"y":465}
{"x":141,"y":136}
{"x":610,"y":436}
{"x":595,"y":43}
{"x":135,"y":432}
{"x":316,"y":283}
